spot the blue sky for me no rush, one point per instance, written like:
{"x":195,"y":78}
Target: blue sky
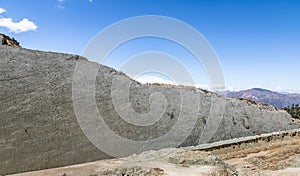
{"x":258,"y":42}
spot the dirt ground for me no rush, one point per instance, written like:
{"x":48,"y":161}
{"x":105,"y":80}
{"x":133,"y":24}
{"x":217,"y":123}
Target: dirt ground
{"x":280,"y":157}
{"x":275,"y":158}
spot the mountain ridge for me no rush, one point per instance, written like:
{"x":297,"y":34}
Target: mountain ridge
{"x":277,"y":99}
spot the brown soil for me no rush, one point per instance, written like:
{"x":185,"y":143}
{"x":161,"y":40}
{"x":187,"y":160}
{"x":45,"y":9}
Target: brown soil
{"x":274,"y":158}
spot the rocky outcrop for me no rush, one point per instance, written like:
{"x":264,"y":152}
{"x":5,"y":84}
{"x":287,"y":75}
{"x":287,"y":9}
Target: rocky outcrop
{"x":6,"y":40}
{"x":43,"y":96}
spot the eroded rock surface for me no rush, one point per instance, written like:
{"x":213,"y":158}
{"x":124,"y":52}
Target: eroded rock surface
{"x":39,"y":128}
{"x":246,"y":157}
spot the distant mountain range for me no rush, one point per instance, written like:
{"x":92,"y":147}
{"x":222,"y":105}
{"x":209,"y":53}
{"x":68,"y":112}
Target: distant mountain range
{"x":279,"y":100}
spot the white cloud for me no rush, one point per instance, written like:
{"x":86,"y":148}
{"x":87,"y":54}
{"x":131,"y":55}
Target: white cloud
{"x":153,"y":79}
{"x":2,"y":10}
{"x":17,"y":27}
{"x":144,"y":79}
{"x":60,"y":4}
{"x":284,"y":90}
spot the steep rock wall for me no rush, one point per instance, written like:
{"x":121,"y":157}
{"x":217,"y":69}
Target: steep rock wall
{"x":39,"y":128}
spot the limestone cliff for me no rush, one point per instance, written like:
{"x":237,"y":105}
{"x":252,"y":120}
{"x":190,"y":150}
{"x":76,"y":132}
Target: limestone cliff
{"x":39,"y":128}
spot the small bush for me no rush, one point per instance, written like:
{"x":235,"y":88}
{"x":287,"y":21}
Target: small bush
{"x":293,"y":110}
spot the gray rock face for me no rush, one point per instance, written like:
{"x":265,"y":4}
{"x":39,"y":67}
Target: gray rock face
{"x":42,"y":98}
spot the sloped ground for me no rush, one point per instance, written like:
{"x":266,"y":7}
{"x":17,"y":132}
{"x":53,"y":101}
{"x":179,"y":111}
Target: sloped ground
{"x":275,"y":158}
{"x":153,"y":163}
